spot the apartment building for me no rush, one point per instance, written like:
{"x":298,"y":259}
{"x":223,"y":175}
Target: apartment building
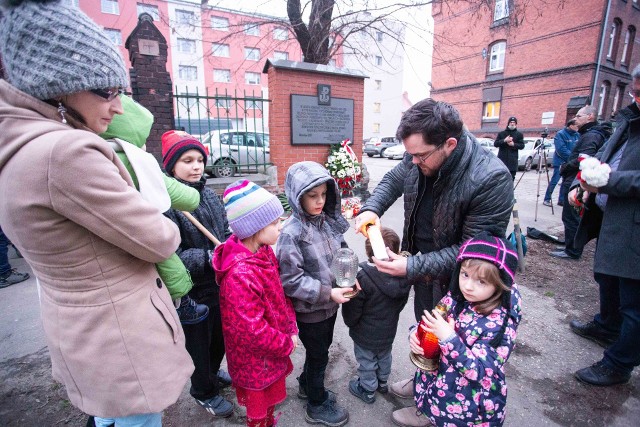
{"x":539,"y":61}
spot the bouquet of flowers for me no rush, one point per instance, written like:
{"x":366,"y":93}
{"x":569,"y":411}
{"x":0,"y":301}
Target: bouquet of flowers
{"x":351,"y":207}
{"x":593,"y":172}
{"x":343,"y":166}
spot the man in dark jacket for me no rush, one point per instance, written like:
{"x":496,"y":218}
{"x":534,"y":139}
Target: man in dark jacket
{"x":612,"y":217}
{"x":509,"y":141}
{"x":592,"y":136}
{"x":452,"y":189}
{"x":564,"y":142}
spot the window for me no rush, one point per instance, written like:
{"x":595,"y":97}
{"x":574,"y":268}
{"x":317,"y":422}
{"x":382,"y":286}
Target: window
{"x":223,"y":102}
{"x":604,"y":92}
{"x":252,"y":29}
{"x":219,"y":23}
{"x":109,"y":6}
{"x":114,"y":35}
{"x":379,"y":36}
{"x":74,"y":3}
{"x":491,"y":110}
{"x":222,"y":76}
{"x":614,"y":35}
{"x":378,"y":60}
{"x":252,"y":104}
{"x":627,"y":49}
{"x":188,"y":72}
{"x":252,"y":53}
{"x":186,"y":46}
{"x":501,"y":10}
{"x":252,"y":78}
{"x":280,"y":33}
{"x":496,"y":60}
{"x":376,"y":128}
{"x":617,"y":99}
{"x":378,"y":84}
{"x":220,"y":49}
{"x":150,"y":9}
{"x":376,"y":107}
{"x":280,"y":55}
{"x":184,"y":17}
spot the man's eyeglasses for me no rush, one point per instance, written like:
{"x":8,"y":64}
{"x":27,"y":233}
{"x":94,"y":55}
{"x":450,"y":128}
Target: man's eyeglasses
{"x":634,"y":93}
{"x":108,"y":94}
{"x":423,"y":158}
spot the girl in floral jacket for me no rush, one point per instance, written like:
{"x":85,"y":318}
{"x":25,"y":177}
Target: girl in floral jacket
{"x":258,"y":321}
{"x":476,"y":338}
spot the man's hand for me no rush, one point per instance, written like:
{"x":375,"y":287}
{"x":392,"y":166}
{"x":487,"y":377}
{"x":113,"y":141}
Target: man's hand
{"x":337,"y":295}
{"x":395,"y":266}
{"x":414,"y":344}
{"x":364,"y":219}
{"x":573,"y":196}
{"x":588,"y":189}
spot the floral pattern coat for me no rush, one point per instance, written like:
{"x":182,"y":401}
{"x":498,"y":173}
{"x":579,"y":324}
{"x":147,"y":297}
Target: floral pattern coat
{"x":469,"y":387}
{"x":257,"y":319}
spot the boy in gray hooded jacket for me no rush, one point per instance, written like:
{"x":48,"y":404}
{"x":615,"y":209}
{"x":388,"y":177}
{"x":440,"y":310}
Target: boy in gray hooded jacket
{"x":305,"y":251}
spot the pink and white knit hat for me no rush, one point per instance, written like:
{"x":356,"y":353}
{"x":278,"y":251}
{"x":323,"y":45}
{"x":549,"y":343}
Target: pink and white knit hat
{"x":250,"y":208}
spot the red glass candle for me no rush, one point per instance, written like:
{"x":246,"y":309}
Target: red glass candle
{"x":429,"y":344}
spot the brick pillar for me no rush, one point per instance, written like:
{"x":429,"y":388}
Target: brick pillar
{"x":150,"y":81}
{"x":288,"y":78}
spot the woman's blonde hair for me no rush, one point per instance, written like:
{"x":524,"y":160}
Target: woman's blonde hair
{"x":490,"y":274}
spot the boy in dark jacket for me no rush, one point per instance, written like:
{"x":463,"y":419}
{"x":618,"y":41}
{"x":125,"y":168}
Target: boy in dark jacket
{"x":372,"y":317}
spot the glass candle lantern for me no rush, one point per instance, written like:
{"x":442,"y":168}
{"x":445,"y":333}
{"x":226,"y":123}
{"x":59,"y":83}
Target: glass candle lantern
{"x":345,"y":268}
{"x":429,"y":344}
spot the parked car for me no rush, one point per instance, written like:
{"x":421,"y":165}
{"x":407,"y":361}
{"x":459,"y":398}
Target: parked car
{"x":377,"y":147}
{"x":395,"y":152}
{"x":529,"y":155}
{"x":487,"y":144}
{"x":232,"y":151}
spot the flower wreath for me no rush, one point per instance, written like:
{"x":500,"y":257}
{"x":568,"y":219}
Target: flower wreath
{"x":342,"y":164}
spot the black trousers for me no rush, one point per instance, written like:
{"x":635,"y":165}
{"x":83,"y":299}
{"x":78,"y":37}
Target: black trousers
{"x":571,"y":220}
{"x":316,"y":338}
{"x":205,"y":344}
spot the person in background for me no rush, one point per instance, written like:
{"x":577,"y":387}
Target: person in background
{"x":592,"y":137}
{"x":453,"y":189}
{"x":305,"y":250}
{"x":115,"y":341}
{"x":184,"y":158}
{"x":372,"y":317}
{"x":509,"y":141}
{"x":258,"y":320}
{"x":8,"y":276}
{"x":564,"y":142}
{"x":612,"y":217}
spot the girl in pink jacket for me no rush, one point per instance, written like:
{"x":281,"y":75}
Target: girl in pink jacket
{"x":258,"y":321}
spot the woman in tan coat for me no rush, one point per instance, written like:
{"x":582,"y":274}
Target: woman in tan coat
{"x":69,"y":206}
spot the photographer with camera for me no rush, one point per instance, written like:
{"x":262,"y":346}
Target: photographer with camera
{"x":509,"y":141}
{"x":564,"y":142}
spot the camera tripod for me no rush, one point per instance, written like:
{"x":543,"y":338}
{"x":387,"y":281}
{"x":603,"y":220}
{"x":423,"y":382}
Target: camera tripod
{"x":541,"y":152}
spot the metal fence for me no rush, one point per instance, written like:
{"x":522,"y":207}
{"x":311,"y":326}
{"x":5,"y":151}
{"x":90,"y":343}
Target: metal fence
{"x":233,"y":128}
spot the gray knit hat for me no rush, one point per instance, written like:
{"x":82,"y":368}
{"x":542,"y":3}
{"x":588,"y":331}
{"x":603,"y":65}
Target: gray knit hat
{"x":51,"y":49}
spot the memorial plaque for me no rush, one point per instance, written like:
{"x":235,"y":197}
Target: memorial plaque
{"x":320,"y":124}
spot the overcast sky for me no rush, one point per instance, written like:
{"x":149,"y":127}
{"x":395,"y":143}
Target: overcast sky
{"x":417,"y":65}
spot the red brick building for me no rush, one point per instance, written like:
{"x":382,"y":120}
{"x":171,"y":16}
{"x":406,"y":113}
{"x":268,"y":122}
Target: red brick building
{"x":539,"y":60}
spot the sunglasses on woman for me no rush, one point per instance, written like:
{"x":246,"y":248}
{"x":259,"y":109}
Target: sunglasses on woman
{"x":109,"y":93}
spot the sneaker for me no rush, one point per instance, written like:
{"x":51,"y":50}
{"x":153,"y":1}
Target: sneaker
{"x":594,"y":332}
{"x":328,"y":413}
{"x":224,"y":379}
{"x":402,"y":389}
{"x":601,"y":375}
{"x":12,"y":278}
{"x":383,"y":388}
{"x":217,"y":406}
{"x":547,"y":203}
{"x":365,"y":395}
{"x":190,"y":312}
{"x":410,"y":417}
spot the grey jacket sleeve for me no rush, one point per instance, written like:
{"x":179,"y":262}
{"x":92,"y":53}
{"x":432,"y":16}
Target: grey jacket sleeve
{"x":389,"y":189}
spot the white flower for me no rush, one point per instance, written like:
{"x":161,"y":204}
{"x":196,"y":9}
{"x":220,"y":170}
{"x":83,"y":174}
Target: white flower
{"x":341,"y":174}
{"x":597,"y":176}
